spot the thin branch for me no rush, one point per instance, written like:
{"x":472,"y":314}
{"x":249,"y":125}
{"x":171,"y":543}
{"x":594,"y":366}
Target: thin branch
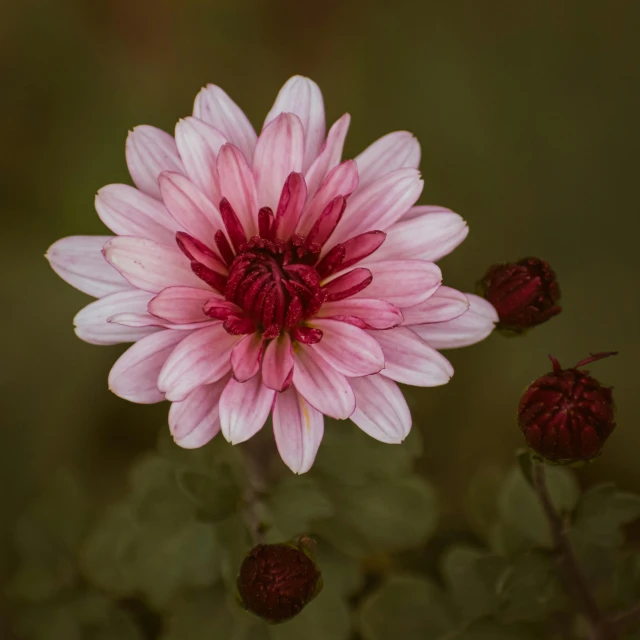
{"x":626,"y":619}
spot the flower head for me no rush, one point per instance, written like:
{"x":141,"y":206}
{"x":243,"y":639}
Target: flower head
{"x":276,"y":581}
{"x":566,"y":415}
{"x":262,"y":274}
{"x":524,"y":293}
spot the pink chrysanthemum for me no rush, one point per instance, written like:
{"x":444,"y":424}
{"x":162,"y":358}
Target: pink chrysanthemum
{"x":260,"y":274}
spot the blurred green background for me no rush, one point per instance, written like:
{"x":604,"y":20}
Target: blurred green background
{"x":528,"y":117}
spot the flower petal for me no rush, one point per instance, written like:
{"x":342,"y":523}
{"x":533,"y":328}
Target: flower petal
{"x":78,"y":260}
{"x":181,"y":305}
{"x":381,"y":409}
{"x":198,"y":144}
{"x":216,"y":108}
{"x":279,"y":151}
{"x":190,"y":208}
{"x":149,"y":152}
{"x":298,"y":429}
{"x":471,"y":327}
{"x":428,"y":236}
{"x":349,"y":350}
{"x":329,"y":156}
{"x":445,"y":304}
{"x":150,"y":266}
{"x":134,"y":376}
{"x":244,"y":408}
{"x":397,"y":150}
{"x":277,"y":363}
{"x":376,"y":206}
{"x":348,"y":284}
{"x":245,"y":357}
{"x":403,"y":283}
{"x":238,"y":187}
{"x":202,"y":358}
{"x":196,"y":420}
{"x":321,"y":385}
{"x":292,"y":199}
{"x":130,"y":212}
{"x":410,"y":360}
{"x":372,"y":314}
{"x":340,"y":181}
{"x":302,"y":97}
{"x":91,"y":322}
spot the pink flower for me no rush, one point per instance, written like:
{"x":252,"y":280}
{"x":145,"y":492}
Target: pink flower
{"x":262,"y":274}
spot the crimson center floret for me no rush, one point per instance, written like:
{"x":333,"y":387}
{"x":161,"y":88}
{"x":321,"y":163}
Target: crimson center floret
{"x":272,"y":284}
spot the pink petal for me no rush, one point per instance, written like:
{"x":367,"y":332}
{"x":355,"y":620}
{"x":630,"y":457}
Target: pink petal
{"x":420,"y":210}
{"x":190,"y":208}
{"x":198,"y":144}
{"x":381,"y":409}
{"x":244,"y":408}
{"x":150,"y":266}
{"x":138,"y":320}
{"x":298,"y":429}
{"x":348,"y":284}
{"x":78,"y":260}
{"x":471,"y":327}
{"x":348,"y":253}
{"x":379,"y":204}
{"x":199,"y":252}
{"x":410,"y":360}
{"x":279,"y":151}
{"x":403,"y":283}
{"x":303,"y":98}
{"x":372,"y":314}
{"x":216,"y":108}
{"x":445,"y":304}
{"x":326,"y":223}
{"x":292,"y":199}
{"x":398,"y":150}
{"x":91,"y":322}
{"x":181,"y":305}
{"x":429,"y":237}
{"x":277,"y":363}
{"x":129,"y":212}
{"x":349,"y":350}
{"x":245,"y":357}
{"x":330,"y":154}
{"x":238,"y":187}
{"x":149,"y":152}
{"x":202,"y":358}
{"x":196,"y":420}
{"x":321,"y":385}
{"x":134,"y":376}
{"x":340,"y":181}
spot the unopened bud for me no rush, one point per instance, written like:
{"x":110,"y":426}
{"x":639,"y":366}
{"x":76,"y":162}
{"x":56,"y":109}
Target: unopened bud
{"x":566,"y":415}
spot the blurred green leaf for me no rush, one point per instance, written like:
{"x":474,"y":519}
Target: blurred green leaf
{"x":235,"y":543}
{"x":525,"y":462}
{"x":349,"y":456}
{"x":214,"y":498}
{"x":489,"y":630}
{"x":529,"y":589}
{"x":405,"y":607}
{"x":341,"y":574}
{"x":47,"y":536}
{"x":471,"y":585}
{"x":520,"y":509}
{"x":294,"y":504}
{"x":602,"y":512}
{"x":399,"y":513}
{"x":480,"y":504}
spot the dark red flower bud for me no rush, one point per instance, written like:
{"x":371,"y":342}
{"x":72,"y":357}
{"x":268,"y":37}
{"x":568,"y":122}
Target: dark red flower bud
{"x":524,"y":293}
{"x":276,"y":581}
{"x":567,"y":415}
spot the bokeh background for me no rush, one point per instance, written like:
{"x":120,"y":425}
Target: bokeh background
{"x":528,"y":117}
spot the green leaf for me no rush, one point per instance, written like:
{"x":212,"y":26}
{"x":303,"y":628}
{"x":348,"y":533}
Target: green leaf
{"x":397,"y":514}
{"x":203,"y":614}
{"x":530,"y":590}
{"x":489,"y":630}
{"x":470,"y":582}
{"x":214,"y":498}
{"x":405,"y":607}
{"x":520,"y":508}
{"x":602,"y":512}
{"x":481,"y":505}
{"x":294,"y":504}
{"x":47,"y":536}
{"x":525,"y":462}
{"x":349,"y":456}
{"x":340,"y":573}
{"x":326,"y":618}
{"x":235,"y":543}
